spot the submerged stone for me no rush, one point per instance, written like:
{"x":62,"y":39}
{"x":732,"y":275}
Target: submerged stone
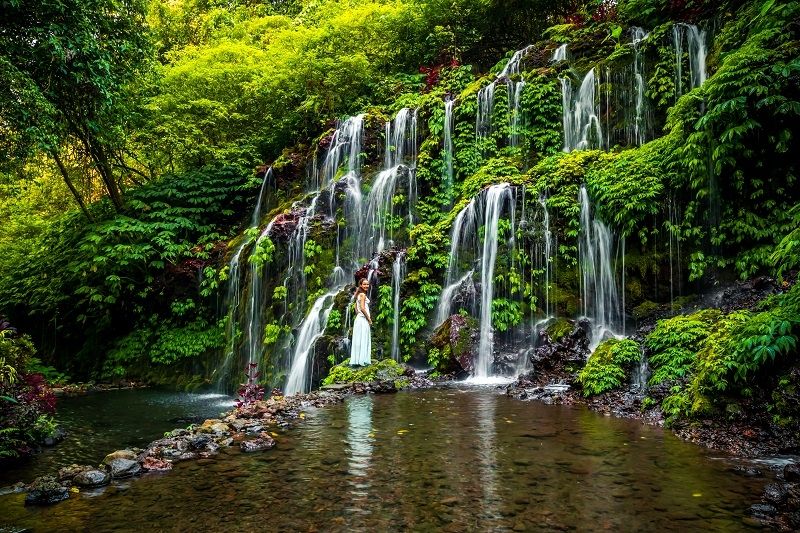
{"x":92,"y":479}
{"x":124,"y":468}
{"x":46,"y":490}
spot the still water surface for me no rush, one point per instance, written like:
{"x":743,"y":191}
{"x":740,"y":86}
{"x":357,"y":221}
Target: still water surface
{"x":443,"y":459}
{"x":102,"y":422}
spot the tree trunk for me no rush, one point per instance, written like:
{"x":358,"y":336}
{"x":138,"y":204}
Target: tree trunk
{"x":69,"y":183}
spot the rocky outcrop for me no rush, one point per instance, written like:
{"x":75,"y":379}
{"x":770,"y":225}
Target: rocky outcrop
{"x":456,"y":339}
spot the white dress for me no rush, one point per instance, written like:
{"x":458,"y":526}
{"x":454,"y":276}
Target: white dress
{"x":361,"y":346}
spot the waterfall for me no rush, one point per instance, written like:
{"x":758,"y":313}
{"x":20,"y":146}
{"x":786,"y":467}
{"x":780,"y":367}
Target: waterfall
{"x":496,"y":195}
{"x":448,"y":146}
{"x":547,"y":238}
{"x":677,"y":41}
{"x":448,"y":293}
{"x":398,"y":272}
{"x":311,"y":329}
{"x":234,"y":295}
{"x":696,"y":39}
{"x":465,"y":228}
{"x":599,"y":297}
{"x":514,"y":88}
{"x":402,"y":147}
{"x":254,"y":327}
{"x":697,"y":55}
{"x":346,"y":144}
{"x":580,"y":115}
{"x":560,"y":54}
{"x":514,"y":111}
{"x":483,"y":121}
{"x":639,"y":121}
{"x":379,"y":208}
{"x":403,"y":134}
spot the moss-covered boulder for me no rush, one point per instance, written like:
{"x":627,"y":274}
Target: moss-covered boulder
{"x":559,"y":328}
{"x":453,"y":345}
{"x":386,"y":370}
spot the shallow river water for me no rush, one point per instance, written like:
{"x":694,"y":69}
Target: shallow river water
{"x":443,"y":459}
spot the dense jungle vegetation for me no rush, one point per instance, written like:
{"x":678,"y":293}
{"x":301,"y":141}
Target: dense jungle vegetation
{"x":136,"y":134}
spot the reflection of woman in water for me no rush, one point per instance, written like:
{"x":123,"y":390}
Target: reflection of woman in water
{"x":361,"y":346}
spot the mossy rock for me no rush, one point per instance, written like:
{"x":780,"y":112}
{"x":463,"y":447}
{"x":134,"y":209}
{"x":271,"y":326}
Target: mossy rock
{"x":559,"y":328}
{"x":645,"y":309}
{"x":384,"y":370}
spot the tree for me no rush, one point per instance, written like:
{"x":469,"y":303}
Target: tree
{"x":65,"y":66}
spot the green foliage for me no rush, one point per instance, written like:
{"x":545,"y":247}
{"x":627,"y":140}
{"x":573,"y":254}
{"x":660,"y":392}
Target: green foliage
{"x":674,"y":342}
{"x":505,"y":314}
{"x":608,"y":365}
{"x":415,"y":308}
{"x":262,"y":252}
{"x":271,"y":334}
{"x":163,"y":343}
{"x":716,"y":355}
{"x":334,"y":320}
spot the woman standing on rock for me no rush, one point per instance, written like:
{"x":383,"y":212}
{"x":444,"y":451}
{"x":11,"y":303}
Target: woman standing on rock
{"x":361,"y":345}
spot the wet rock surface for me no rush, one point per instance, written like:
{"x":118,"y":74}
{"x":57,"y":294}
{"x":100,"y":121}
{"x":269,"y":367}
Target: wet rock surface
{"x":46,"y":490}
{"x":263,"y":442}
{"x":124,"y":468}
{"x":91,"y":479}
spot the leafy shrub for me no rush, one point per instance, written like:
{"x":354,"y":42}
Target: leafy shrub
{"x":608,"y":365}
{"x":674,"y":342}
{"x":26,"y":401}
{"x":250,"y":391}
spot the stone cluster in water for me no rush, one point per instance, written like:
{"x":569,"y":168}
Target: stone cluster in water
{"x":246,"y":427}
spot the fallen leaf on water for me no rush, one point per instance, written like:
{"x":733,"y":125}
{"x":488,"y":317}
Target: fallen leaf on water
{"x":696,"y":494}
{"x":273,"y":433}
{"x":402,"y":431}
{"x":302,"y":415}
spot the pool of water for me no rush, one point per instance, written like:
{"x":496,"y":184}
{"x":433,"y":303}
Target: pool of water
{"x":99,"y":423}
{"x":442,"y":459}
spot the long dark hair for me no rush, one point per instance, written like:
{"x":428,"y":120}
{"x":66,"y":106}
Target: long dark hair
{"x":358,"y":288}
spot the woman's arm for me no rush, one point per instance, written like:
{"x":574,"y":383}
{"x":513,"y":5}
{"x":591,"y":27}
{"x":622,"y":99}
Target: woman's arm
{"x":362,"y":298}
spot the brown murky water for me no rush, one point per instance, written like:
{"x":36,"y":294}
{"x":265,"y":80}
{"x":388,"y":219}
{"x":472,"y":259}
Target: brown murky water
{"x":446,"y":459}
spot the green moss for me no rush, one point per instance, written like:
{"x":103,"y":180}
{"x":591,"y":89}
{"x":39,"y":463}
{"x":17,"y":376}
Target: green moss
{"x":608,"y":365}
{"x":559,"y":328}
{"x":645,"y":309}
{"x":386,"y":369}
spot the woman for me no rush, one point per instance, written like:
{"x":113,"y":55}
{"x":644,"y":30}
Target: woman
{"x":361,"y":346}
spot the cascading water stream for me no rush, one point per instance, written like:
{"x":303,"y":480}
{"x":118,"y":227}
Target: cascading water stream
{"x":696,"y":39}
{"x":639,"y":126}
{"x":582,"y":128}
{"x":560,"y":54}
{"x":448,"y":146}
{"x":547,"y":256}
{"x":496,"y":196}
{"x":345,"y":143}
{"x":398,"y":273}
{"x":448,"y":293}
{"x":599,"y":295}
{"x":234,"y":295}
{"x":311,"y":329}
{"x":465,"y":227}
{"x":483,"y":121}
